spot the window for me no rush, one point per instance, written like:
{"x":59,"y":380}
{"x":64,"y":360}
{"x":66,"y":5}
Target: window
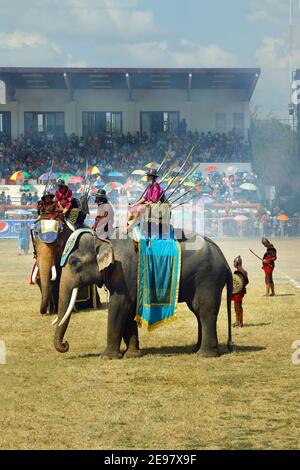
{"x":5,"y":122}
{"x":158,"y":122}
{"x":239,"y":122}
{"x":94,"y":123}
{"x":221,"y":122}
{"x":51,"y":123}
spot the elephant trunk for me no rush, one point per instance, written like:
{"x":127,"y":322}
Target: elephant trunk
{"x":67,"y":300}
{"x":45,"y":273}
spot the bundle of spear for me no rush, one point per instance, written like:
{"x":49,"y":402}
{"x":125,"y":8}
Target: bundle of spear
{"x":173,"y":191}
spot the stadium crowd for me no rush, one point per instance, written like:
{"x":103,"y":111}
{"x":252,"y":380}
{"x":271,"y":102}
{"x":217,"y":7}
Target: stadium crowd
{"x":114,"y":152}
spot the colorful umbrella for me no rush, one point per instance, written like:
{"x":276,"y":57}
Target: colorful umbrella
{"x":98,"y":184}
{"x":20,"y":175}
{"x":138,"y":172}
{"x":151,"y":165}
{"x":65,"y":176}
{"x":26,"y":187}
{"x":211,"y":168}
{"x":75,"y":180}
{"x":248,"y":187}
{"x":198,"y":188}
{"x":190,"y":184}
{"x":81,"y":190}
{"x":45,"y":176}
{"x":241,"y":218}
{"x":231,"y":170}
{"x":93,"y":170}
{"x":198,"y":174}
{"x":112,"y":185}
{"x":206,"y":200}
{"x":115,"y":173}
{"x":282,"y":217}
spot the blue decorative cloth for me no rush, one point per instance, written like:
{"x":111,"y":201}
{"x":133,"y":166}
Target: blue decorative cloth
{"x":159,"y":266}
{"x":69,"y":247}
{"x":47,"y":230}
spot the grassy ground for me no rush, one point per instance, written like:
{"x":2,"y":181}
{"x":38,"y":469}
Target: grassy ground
{"x":168,"y":399}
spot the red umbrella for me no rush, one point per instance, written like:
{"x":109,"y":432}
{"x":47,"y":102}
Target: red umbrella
{"x":211,"y":168}
{"x":75,"y":179}
{"x":80,"y":190}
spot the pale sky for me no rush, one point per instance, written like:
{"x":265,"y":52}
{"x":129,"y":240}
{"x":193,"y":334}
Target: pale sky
{"x":156,"y":33}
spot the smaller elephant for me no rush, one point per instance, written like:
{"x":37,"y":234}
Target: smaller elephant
{"x":204,"y":273}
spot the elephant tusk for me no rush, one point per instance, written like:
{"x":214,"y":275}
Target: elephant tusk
{"x":70,"y":308}
{"x":53,"y":273}
{"x":55,"y":321}
{"x":34,"y":274}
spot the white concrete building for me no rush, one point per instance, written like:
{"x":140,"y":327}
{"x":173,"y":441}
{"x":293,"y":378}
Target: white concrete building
{"x":96,"y":100}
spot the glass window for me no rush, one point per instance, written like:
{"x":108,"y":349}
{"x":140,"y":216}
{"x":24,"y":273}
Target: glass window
{"x":221,"y":122}
{"x":95,"y":123}
{"x":158,"y":122}
{"x":5,"y":122}
{"x":239,"y":122}
{"x":52,"y":123}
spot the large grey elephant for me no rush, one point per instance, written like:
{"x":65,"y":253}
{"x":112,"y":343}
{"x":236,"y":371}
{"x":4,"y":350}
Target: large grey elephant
{"x":204,"y":273}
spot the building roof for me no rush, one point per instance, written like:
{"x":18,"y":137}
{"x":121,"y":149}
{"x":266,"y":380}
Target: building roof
{"x":131,"y":78}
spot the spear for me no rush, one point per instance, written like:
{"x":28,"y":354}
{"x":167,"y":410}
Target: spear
{"x":168,"y":153}
{"x":179,"y":171}
{"x":49,"y":175}
{"x":182,"y":195}
{"x":189,"y":173}
{"x":261,"y":259}
{"x":184,"y":202}
{"x":168,"y":173}
{"x":255,"y":254}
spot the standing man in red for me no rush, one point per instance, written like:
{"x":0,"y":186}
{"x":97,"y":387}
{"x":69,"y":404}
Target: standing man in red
{"x":268,"y":266}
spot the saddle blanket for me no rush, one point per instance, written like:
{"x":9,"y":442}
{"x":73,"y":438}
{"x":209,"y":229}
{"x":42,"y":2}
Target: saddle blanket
{"x":159,"y":266}
{"x":47,"y":230}
{"x":71,"y":242}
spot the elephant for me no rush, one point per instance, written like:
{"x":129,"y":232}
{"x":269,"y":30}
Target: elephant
{"x":204,"y":274}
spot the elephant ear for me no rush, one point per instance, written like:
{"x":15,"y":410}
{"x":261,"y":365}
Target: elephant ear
{"x":105,"y":254}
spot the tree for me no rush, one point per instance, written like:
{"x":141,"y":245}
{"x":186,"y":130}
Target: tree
{"x":274,"y":149}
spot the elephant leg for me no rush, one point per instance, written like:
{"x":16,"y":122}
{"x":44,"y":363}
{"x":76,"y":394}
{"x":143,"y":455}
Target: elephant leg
{"x":117,"y":318}
{"x":197,"y":315}
{"x":131,"y":338}
{"x":208,"y":311}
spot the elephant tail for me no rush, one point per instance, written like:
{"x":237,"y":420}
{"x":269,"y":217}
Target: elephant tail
{"x":229,"y":294}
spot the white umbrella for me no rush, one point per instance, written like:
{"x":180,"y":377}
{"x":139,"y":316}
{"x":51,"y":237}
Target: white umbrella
{"x":248,"y":187}
{"x":231,"y":170}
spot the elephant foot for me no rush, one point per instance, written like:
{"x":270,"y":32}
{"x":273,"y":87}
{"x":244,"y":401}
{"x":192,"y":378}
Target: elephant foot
{"x":208,"y":353}
{"x":132,"y":353}
{"x":111,"y":355}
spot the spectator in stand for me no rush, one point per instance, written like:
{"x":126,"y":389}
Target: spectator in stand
{"x":8,"y":201}
{"x":35,"y":198}
{"x":2,"y":198}
{"x":23,"y":200}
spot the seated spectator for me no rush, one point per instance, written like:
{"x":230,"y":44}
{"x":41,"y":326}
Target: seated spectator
{"x":23,"y":199}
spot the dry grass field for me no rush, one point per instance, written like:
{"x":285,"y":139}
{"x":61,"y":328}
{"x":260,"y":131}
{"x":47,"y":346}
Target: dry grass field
{"x":168,"y":399}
